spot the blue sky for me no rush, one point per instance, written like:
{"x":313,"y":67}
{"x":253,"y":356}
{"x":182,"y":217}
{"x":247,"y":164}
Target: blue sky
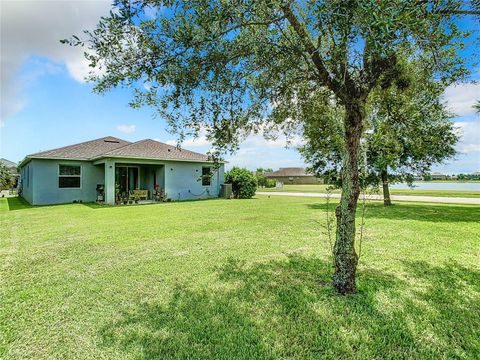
{"x":45,"y":103}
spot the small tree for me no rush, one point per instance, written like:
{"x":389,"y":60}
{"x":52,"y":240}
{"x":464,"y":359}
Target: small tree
{"x":263,"y":181}
{"x":244,"y":182}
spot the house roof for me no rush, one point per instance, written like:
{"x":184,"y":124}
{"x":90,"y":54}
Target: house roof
{"x":289,"y":171}
{"x":12,"y":167}
{"x":114,"y":147}
{"x":8,"y":163}
{"x":83,"y":151}
{"x":151,"y":149}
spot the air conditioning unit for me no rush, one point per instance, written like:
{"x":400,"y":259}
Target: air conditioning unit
{"x":226,"y":191}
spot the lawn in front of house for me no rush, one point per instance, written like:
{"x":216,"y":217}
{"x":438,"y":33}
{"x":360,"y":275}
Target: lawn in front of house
{"x":235,"y":279}
{"x":320,"y":188}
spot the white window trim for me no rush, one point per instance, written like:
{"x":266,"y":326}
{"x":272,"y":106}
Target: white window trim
{"x":80,"y":176}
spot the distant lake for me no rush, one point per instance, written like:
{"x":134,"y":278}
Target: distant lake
{"x":421,"y":185}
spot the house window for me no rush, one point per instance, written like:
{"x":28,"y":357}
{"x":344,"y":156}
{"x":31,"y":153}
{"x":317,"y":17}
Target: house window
{"x":69,"y":176}
{"x":206,"y":176}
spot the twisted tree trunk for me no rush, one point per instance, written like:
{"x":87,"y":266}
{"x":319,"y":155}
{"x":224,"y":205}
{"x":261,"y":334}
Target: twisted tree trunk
{"x":345,"y":256}
{"x":386,"y":190}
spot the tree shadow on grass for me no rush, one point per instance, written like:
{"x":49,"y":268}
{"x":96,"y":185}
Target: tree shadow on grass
{"x":420,"y":212}
{"x":287,"y":309}
{"x":18,"y":203}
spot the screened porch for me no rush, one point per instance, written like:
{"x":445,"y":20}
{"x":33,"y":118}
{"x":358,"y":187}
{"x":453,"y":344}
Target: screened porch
{"x":139,"y":182}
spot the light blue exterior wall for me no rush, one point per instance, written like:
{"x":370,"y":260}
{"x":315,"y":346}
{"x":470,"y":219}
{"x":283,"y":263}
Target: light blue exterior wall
{"x":181,"y":180}
{"x":45,"y":188}
{"x":26,"y":177}
{"x":109,"y":181}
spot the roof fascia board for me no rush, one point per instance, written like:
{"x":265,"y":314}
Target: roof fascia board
{"x":101,"y":159}
{"x":30,"y":158}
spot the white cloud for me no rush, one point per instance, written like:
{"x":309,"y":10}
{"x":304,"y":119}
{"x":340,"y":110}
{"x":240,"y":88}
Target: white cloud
{"x":469,"y":148}
{"x":255,"y":151}
{"x":470,"y":137}
{"x":35,"y":28}
{"x":461,"y":98}
{"x":255,"y":157}
{"x":194,"y":142}
{"x":199,"y":142}
{"x":127,"y":129}
{"x":253,"y":140}
{"x":280,"y":142}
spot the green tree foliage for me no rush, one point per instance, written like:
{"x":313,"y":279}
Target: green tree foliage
{"x":232,"y":67}
{"x":5,"y":177}
{"x":477,"y":106}
{"x":408,"y":131}
{"x":262,"y":181}
{"x":261,"y":171}
{"x":474,"y":176}
{"x":244,"y":182}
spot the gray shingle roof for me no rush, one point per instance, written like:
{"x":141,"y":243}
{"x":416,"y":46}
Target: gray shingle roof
{"x":290,"y":171}
{"x":151,"y":149}
{"x":8,"y":163}
{"x":12,"y":167}
{"x":83,"y":151}
{"x":113,"y":147}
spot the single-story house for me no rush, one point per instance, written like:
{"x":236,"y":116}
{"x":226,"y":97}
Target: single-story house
{"x":438,"y":176}
{"x":103,"y":168}
{"x":293,"y":175}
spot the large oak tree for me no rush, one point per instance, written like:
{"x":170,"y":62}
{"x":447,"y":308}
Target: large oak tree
{"x":230,"y":67}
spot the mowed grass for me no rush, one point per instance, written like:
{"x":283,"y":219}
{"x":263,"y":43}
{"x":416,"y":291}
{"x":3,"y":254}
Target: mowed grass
{"x":320,"y":188}
{"x":235,"y":279}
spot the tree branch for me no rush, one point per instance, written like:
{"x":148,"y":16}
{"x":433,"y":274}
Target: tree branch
{"x":323,"y":73}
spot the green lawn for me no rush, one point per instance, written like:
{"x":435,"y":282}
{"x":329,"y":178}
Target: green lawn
{"x":322,"y":189}
{"x":235,"y":279}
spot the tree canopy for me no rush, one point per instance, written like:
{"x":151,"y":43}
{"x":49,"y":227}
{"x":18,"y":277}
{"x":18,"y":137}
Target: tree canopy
{"x":231,"y":67}
{"x":237,"y":66}
{"x":409,"y":129}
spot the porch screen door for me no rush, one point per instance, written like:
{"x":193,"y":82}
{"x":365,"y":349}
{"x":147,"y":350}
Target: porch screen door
{"x":132,"y":178}
{"x":126,"y":178}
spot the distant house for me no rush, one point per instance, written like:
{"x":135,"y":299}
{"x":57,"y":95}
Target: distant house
{"x":293,"y":175}
{"x":108,"y":166}
{"x":12,"y":167}
{"x":438,"y":176}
